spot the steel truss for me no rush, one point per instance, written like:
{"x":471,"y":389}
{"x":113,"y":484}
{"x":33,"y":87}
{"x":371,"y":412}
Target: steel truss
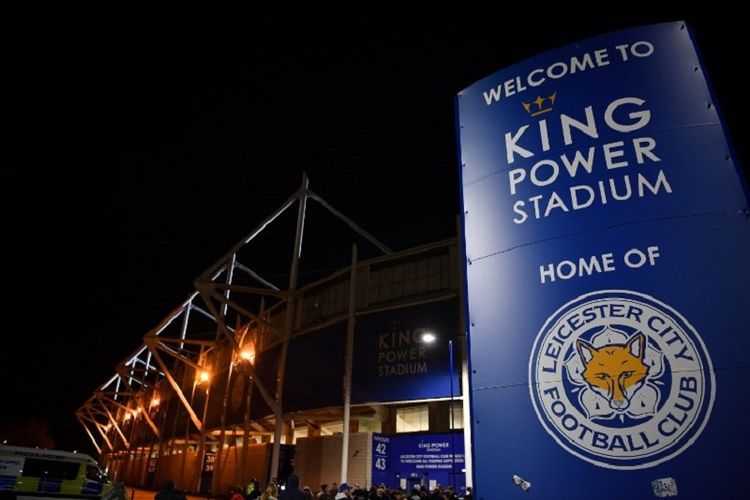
{"x":233,"y":305}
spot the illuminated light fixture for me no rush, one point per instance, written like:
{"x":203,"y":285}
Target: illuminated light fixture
{"x":155,"y":401}
{"x":139,"y":410}
{"x":428,"y":337}
{"x":108,"y":427}
{"x":127,"y":416}
{"x":248,"y":355}
{"x":203,"y":376}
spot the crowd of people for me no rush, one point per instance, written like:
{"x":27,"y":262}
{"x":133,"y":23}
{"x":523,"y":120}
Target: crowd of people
{"x":334,"y":491}
{"x":344,"y":491}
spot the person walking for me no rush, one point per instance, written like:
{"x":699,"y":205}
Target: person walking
{"x":169,"y":492}
{"x":308,"y":492}
{"x":252,"y":492}
{"x":271,"y":493}
{"x":292,"y":491}
{"x":344,"y":492}
{"x":323,"y":493}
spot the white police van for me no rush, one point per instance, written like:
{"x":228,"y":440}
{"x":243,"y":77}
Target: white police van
{"x":34,"y":474}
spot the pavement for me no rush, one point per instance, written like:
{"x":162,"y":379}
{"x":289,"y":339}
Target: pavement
{"x":141,"y":494}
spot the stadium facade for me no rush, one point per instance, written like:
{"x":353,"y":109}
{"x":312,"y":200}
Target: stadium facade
{"x":358,"y":376}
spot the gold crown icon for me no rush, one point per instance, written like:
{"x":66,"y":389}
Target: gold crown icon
{"x":540,"y":105}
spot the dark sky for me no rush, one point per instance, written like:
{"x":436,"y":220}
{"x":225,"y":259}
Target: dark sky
{"x":136,"y":152}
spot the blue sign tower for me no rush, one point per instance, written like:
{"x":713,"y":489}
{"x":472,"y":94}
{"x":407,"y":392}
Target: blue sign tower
{"x":607,"y":240}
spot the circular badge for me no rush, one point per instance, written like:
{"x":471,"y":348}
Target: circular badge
{"x":621,"y":380}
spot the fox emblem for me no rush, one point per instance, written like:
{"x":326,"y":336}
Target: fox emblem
{"x":612,"y":388}
{"x":615,"y":371}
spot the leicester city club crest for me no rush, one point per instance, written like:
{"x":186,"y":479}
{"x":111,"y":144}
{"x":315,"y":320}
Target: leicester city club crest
{"x":621,"y":380}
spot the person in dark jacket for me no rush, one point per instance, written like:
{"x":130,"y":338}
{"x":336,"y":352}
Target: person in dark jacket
{"x":292,"y":491}
{"x":252,"y":492}
{"x":169,"y":492}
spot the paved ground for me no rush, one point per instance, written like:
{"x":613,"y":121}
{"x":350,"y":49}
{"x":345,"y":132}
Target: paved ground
{"x":141,"y":494}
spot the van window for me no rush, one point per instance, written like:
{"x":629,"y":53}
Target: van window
{"x":94,"y":474}
{"x":50,"y":469}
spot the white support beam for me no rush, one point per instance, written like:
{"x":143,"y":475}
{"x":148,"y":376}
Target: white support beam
{"x":91,"y":436}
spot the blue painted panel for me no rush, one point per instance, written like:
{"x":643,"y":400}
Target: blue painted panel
{"x":670,"y":80}
{"x":702,"y":278}
{"x":392,"y":363}
{"x":315,"y":369}
{"x":608,"y":335}
{"x":554,"y":473}
{"x":419,"y":459}
{"x":629,"y":194}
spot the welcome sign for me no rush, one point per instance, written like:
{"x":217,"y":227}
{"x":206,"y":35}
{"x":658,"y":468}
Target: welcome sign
{"x":607,"y":244}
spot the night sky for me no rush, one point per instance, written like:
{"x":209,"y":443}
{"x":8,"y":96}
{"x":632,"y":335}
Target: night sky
{"x":136,"y":152}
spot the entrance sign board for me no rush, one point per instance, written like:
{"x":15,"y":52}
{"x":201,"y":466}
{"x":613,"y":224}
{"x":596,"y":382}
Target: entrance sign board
{"x":607,"y":244}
